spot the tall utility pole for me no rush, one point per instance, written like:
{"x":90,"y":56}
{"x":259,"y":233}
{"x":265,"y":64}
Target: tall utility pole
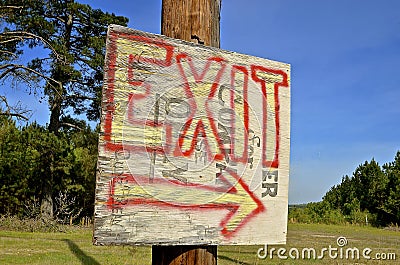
{"x":196,"y":21}
{"x":192,"y":20}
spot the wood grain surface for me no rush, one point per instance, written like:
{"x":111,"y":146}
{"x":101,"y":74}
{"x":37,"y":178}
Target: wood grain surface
{"x":194,"y":145}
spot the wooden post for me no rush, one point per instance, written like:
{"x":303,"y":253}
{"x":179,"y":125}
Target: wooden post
{"x":184,"y":255}
{"x":196,"y":21}
{"x":192,"y":20}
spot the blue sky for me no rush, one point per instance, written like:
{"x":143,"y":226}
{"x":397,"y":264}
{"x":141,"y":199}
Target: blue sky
{"x":345,"y":57}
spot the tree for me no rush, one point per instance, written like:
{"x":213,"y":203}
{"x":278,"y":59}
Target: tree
{"x":392,"y":203}
{"x":25,"y":152}
{"x":74,"y":36}
{"x":371,"y":190}
{"x":70,"y":73}
{"x":371,"y":186}
{"x":82,"y":159}
{"x":12,"y":173}
{"x":17,"y":111}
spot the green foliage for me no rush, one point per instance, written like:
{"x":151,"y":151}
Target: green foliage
{"x":82,"y":159}
{"x":391,"y":206}
{"x":28,"y":155}
{"x":71,"y":38}
{"x":316,"y":212}
{"x":18,"y":167}
{"x":370,"y":196}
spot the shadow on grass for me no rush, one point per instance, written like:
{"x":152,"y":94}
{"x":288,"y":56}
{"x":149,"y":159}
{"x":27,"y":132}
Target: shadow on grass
{"x":233,"y":260}
{"x":82,"y":256}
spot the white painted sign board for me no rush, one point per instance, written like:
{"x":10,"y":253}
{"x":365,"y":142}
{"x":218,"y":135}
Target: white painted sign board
{"x":194,"y":144}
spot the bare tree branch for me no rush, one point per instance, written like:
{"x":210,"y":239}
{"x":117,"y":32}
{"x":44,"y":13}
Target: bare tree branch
{"x":79,"y":97}
{"x":13,"y":111}
{"x":17,"y":115}
{"x":8,"y":52}
{"x":67,"y":124}
{"x":10,"y":68}
{"x":11,"y":40}
{"x":11,"y":7}
{"x":20,"y":35}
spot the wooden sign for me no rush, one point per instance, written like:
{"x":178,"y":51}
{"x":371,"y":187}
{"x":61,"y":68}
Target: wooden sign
{"x":194,"y":144}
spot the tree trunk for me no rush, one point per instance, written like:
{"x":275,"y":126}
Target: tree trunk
{"x":54,"y":124}
{"x":47,"y":204}
{"x":55,"y":113}
{"x":196,"y":21}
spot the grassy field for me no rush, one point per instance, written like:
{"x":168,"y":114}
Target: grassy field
{"x":75,"y":247}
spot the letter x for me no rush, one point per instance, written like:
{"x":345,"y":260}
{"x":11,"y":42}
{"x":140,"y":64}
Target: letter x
{"x":197,"y":98}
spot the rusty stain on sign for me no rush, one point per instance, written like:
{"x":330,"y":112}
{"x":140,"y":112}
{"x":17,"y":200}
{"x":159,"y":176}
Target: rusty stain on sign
{"x":194,"y":144}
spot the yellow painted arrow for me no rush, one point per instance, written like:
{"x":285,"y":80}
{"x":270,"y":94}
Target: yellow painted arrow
{"x":241,"y":203}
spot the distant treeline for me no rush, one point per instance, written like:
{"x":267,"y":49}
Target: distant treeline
{"x":371,"y":195}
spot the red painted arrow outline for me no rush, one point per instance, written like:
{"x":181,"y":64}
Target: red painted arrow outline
{"x":232,"y":207}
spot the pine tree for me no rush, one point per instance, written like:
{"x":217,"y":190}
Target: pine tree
{"x":70,"y":73}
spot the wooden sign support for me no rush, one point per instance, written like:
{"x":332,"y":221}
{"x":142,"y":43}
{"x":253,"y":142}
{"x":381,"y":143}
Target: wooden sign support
{"x":193,"y":20}
{"x":187,"y":255}
{"x":196,"y":21}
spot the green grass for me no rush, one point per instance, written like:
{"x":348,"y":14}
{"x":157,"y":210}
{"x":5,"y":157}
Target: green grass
{"x":319,"y":236}
{"x":75,"y":247}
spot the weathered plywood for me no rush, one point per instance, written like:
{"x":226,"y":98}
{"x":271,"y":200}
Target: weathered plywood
{"x":194,"y":144}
